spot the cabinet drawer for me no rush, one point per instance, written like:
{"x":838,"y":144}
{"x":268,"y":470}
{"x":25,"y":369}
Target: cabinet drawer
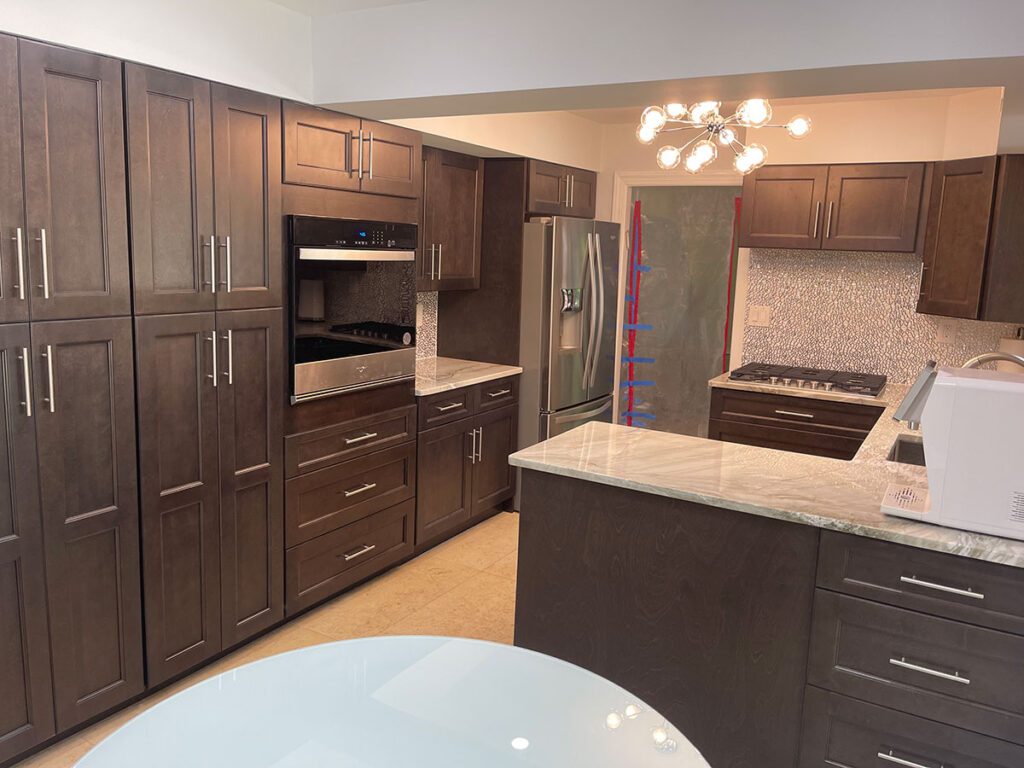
{"x":495,"y":394}
{"x":935,"y":668}
{"x":445,"y":407}
{"x":839,"y":731}
{"x":803,"y":413}
{"x":959,"y":588}
{"x":319,"y":448}
{"x":783,"y":439}
{"x":329,"y":563}
{"x":329,"y":498}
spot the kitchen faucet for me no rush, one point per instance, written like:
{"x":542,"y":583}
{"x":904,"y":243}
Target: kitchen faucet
{"x":989,"y":357}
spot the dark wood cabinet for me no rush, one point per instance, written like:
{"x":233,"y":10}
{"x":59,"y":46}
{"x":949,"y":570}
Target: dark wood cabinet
{"x":26,"y":706}
{"x":179,"y":488}
{"x":559,"y":190}
{"x":76,"y":242}
{"x":392,"y":160}
{"x":493,"y":477}
{"x":251,"y":429}
{"x":14,"y":286}
{"x":782,"y":206}
{"x":444,"y":481}
{"x":873,"y":207}
{"x":453,"y":200}
{"x":85,"y":429}
{"x":247,"y":198}
{"x":170,"y":182}
{"x":973,"y":239}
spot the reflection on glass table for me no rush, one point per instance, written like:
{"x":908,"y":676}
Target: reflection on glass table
{"x":399,"y":702}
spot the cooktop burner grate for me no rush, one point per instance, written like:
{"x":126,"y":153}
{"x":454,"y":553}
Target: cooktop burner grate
{"x":811,"y":378}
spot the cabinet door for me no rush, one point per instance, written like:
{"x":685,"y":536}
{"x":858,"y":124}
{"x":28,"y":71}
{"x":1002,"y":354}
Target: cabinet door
{"x":85,"y":428}
{"x":170,"y":170}
{"x":873,"y":207}
{"x":247,"y":198}
{"x":77,"y":239}
{"x":251,"y":398}
{"x":392,"y":160}
{"x":582,"y":194}
{"x":180,"y":491}
{"x":782,"y":206}
{"x":547,"y":188}
{"x":453,"y":205}
{"x":319,"y":147}
{"x":26,"y":706}
{"x":444,"y":478}
{"x":493,"y":477}
{"x":956,"y":237}
{"x":14,"y":290}
{"x":426,"y":258}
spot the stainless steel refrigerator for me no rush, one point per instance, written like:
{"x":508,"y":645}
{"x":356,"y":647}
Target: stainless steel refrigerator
{"x":570,"y":292}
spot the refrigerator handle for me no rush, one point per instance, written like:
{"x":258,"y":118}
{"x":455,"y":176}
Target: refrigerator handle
{"x":591,"y":337}
{"x":599,"y":280}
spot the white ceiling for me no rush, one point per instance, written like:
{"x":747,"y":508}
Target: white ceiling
{"x":326,"y":7}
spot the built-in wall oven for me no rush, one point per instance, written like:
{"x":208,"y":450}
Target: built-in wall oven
{"x":353,"y":304}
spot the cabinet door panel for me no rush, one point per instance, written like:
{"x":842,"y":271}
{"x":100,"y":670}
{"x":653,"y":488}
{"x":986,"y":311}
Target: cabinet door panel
{"x":252,"y":471}
{"x":73,"y":139}
{"x":319,"y":147}
{"x":179,"y":490}
{"x":493,"y":478}
{"x":956,"y":237}
{"x":26,"y":706}
{"x":582,"y":193}
{"x":453,"y":203}
{"x":392,"y":160}
{"x":171,"y":184}
{"x":873,"y":207}
{"x":547,"y":188}
{"x":443,"y":480}
{"x":14,"y":288}
{"x":783,"y":206}
{"x":247,"y":189}
{"x":85,"y":429}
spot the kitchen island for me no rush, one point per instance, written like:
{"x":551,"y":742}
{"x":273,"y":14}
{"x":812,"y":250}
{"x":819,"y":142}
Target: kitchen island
{"x":762,"y":601}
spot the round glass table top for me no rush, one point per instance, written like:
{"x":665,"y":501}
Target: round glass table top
{"x":399,"y":702}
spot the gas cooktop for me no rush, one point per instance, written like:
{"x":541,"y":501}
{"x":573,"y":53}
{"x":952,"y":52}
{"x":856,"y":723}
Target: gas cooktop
{"x":811,"y":378}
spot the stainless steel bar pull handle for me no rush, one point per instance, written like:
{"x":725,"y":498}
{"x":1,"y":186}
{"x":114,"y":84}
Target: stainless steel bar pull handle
{"x":230,"y":372}
{"x":360,"y":146}
{"x":781,"y":412}
{"x":360,"y":439}
{"x":472,"y":450}
{"x":942,"y":587}
{"x":600,"y":309}
{"x":817,"y":217}
{"x":20,"y":249}
{"x":499,"y":393}
{"x":572,"y":190}
{"x":889,"y":757}
{"x":439,"y":246}
{"x":359,"y":552}
{"x":213,"y":363}
{"x":480,"y":445}
{"x":361,"y":489}
{"x":26,"y":381}
{"x":212,"y":282}
{"x":46,"y":266}
{"x":450,"y":406}
{"x":371,"y":155}
{"x":227,"y":262}
{"x":432,"y":257}
{"x":955,"y":677}
{"x":50,"y":400}
{"x":828,"y":222}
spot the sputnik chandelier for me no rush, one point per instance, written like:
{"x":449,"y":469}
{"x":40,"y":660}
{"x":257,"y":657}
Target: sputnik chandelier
{"x":713,"y":130}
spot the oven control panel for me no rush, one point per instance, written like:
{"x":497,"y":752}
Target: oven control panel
{"x":317,"y":231}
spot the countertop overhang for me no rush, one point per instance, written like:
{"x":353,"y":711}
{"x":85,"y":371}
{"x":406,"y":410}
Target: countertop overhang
{"x":440,"y":374}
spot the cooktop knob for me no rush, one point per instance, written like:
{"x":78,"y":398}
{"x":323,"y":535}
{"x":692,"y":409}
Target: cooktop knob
{"x":828,"y":386}
{"x":787,"y":382}
{"x":800,"y":383}
{"x":773,"y":379}
{"x":814,"y":385}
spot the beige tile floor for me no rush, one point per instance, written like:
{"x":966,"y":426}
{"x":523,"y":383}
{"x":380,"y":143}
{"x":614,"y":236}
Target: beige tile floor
{"x":463,"y":588}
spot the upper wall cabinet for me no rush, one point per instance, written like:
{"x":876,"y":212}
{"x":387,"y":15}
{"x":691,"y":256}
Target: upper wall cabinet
{"x":76,"y":241}
{"x":324,"y":148}
{"x":973,"y":240}
{"x":453,"y":204}
{"x":558,"y":190}
{"x":14,"y":288}
{"x":869,"y":207}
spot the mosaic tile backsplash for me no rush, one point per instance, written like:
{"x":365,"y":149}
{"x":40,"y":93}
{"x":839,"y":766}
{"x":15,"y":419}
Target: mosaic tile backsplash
{"x":426,"y":324}
{"x":852,"y":311}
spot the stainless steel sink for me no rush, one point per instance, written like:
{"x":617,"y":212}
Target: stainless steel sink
{"x":908,"y":449}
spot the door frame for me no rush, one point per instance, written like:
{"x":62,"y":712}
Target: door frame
{"x":623,"y":183}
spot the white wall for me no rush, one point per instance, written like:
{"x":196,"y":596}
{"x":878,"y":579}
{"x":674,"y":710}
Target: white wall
{"x":250,"y":43}
{"x":484,"y":46}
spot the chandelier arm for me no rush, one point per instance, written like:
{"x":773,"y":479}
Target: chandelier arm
{"x":680,"y":128}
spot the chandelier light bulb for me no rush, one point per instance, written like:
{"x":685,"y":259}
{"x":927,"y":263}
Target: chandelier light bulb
{"x":799,"y":126}
{"x":654,"y":118}
{"x":693,"y":164}
{"x":675,"y":110}
{"x":705,"y":151}
{"x":751,"y":158}
{"x":703,"y":111}
{"x":754,"y":112}
{"x":669,"y":157}
{"x":645,"y":134}
{"x":726,"y":136}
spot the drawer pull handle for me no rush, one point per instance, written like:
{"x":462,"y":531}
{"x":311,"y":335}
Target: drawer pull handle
{"x":889,"y":757}
{"x":955,"y":677}
{"x":794,"y":413}
{"x":942,"y":587}
{"x":361,"y":489}
{"x":499,"y":393}
{"x":443,"y":408}
{"x":359,"y":552}
{"x":361,"y":438}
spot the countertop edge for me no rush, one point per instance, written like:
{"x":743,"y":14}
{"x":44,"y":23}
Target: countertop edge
{"x":482,"y":373}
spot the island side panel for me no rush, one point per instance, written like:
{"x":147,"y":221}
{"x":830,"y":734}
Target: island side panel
{"x":704,"y":613}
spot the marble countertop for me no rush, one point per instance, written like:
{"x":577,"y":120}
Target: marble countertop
{"x":891,"y":394}
{"x":827,"y":493}
{"x":440,"y":374}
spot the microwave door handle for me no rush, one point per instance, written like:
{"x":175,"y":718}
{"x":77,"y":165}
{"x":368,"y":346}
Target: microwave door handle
{"x":599,"y":280}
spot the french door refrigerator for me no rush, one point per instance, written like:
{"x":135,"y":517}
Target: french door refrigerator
{"x":570,"y":291}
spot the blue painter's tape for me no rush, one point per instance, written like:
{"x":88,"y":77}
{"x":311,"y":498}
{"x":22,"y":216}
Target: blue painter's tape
{"x":637,"y":327}
{"x":642,"y":268}
{"x":629,"y":298}
{"x":637,"y":384}
{"x":636,"y":415}
{"x":638,"y":359}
